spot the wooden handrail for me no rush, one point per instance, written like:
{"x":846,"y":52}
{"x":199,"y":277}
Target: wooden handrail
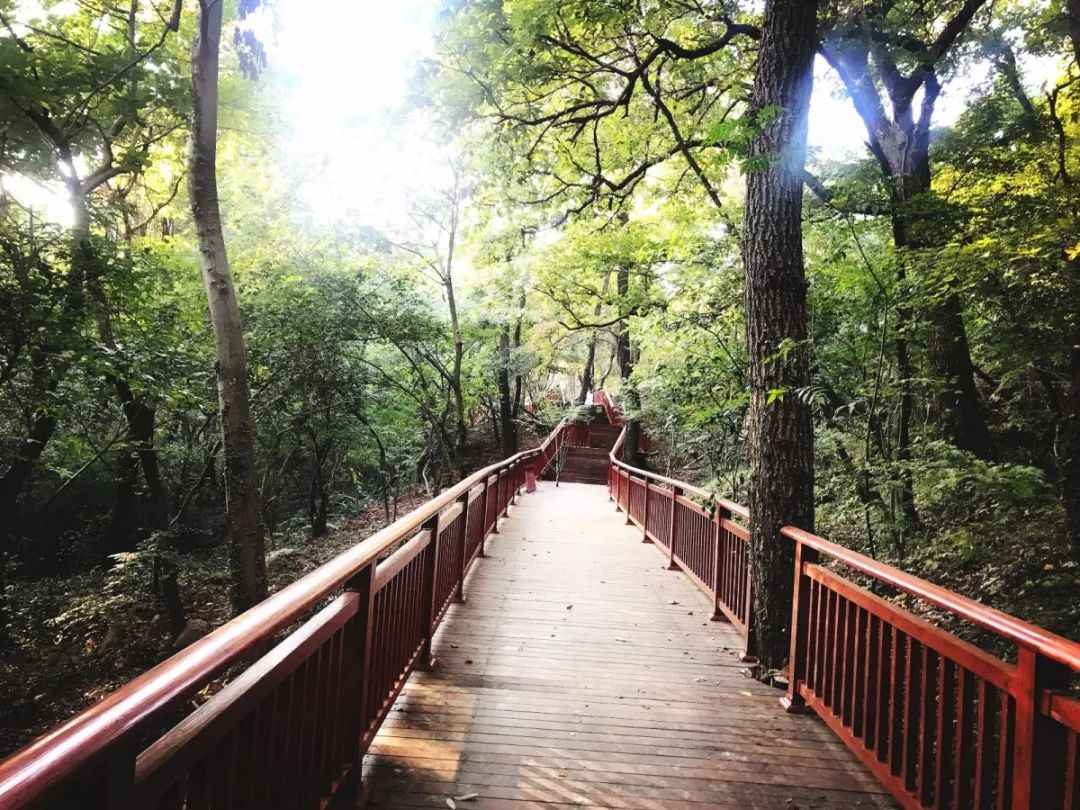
{"x":939,"y":721}
{"x":1053,"y":647}
{"x":722,"y":503}
{"x":41,"y":766}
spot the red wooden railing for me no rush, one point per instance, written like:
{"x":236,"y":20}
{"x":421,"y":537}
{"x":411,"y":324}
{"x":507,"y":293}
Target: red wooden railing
{"x":290,"y":730}
{"x":940,"y":722}
{"x":697,"y":532}
{"x":613,"y":412}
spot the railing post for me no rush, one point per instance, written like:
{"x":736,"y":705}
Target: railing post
{"x":495,"y":509}
{"x":674,"y":528}
{"x":1039,"y":745}
{"x":483,"y":520}
{"x":645,"y":515}
{"x":749,"y":655}
{"x":629,"y":496}
{"x":463,"y":558}
{"x":427,"y":660}
{"x":800,"y":627}
{"x":719,"y":567}
{"x":364,"y":585}
{"x":512,"y":475}
{"x":504,"y":495}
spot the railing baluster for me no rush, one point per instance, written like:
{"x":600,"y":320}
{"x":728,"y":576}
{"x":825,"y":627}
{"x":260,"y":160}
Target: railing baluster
{"x":673,"y":531}
{"x":800,"y":629}
{"x":463,"y":557}
{"x":645,"y":514}
{"x":718,"y":566}
{"x":428,"y":606}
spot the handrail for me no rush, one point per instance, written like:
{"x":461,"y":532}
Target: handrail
{"x":1054,"y":647}
{"x":939,"y":721}
{"x":603,"y":399}
{"x":1049,"y":645}
{"x":42,"y":765}
{"x":722,"y":503}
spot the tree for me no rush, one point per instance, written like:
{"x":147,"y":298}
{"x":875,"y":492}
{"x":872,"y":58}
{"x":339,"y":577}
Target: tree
{"x":84,"y":133}
{"x":437,"y":223}
{"x":247,"y":552}
{"x":781,"y":430}
{"x":870,"y":47}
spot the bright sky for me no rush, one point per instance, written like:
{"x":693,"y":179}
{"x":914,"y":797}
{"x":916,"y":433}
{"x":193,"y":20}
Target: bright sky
{"x":351,"y":63}
{"x":348,"y":65}
{"x":343,"y":69}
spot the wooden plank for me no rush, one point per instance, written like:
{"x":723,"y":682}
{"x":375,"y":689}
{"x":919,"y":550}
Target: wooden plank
{"x":582,"y":672}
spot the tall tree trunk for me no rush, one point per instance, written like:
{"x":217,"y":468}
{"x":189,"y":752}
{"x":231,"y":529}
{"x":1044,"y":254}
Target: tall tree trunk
{"x":587,"y":372}
{"x":1073,"y":10}
{"x":781,"y":431}
{"x":906,"y":162}
{"x":1068,"y":449}
{"x":509,"y":438}
{"x":625,"y":358}
{"x":1069,"y":444}
{"x":590,"y":357}
{"x":247,"y":556}
{"x":519,"y":379}
{"x":462,"y":428}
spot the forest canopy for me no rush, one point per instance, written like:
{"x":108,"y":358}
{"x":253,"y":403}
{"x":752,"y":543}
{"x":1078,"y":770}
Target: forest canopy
{"x":251,"y":298}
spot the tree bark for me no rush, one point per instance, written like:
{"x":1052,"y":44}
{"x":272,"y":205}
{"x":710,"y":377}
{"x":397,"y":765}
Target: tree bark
{"x":781,"y":431}
{"x":1069,"y":445}
{"x":905,"y":161}
{"x":462,"y":428}
{"x":1073,"y":9}
{"x":590,"y":357}
{"x":509,"y":439}
{"x":587,"y":372}
{"x":247,"y":555}
{"x":519,"y":379}
{"x":900,"y":143}
{"x":625,"y":358}
{"x":1068,"y":449}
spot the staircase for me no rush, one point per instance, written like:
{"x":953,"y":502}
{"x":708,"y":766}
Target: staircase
{"x":585,"y":465}
{"x":589,"y":465}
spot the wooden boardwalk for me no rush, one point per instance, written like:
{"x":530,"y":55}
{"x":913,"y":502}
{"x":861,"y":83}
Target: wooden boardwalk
{"x":581,"y":672}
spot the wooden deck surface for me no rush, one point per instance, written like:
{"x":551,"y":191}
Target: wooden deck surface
{"x":580,"y":672}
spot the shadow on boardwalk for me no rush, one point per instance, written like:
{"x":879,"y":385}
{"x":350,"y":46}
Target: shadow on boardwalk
{"x":580,"y":672}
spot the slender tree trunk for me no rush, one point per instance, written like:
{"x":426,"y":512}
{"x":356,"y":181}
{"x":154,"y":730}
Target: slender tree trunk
{"x":590,"y":357}
{"x":318,"y":491}
{"x":1069,"y":445}
{"x":625,"y":358}
{"x":1068,"y":449}
{"x":519,"y":380}
{"x":247,"y":555}
{"x":509,"y":439}
{"x":1073,"y":9}
{"x":781,"y":430}
{"x":587,"y":372}
{"x":462,"y":428}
